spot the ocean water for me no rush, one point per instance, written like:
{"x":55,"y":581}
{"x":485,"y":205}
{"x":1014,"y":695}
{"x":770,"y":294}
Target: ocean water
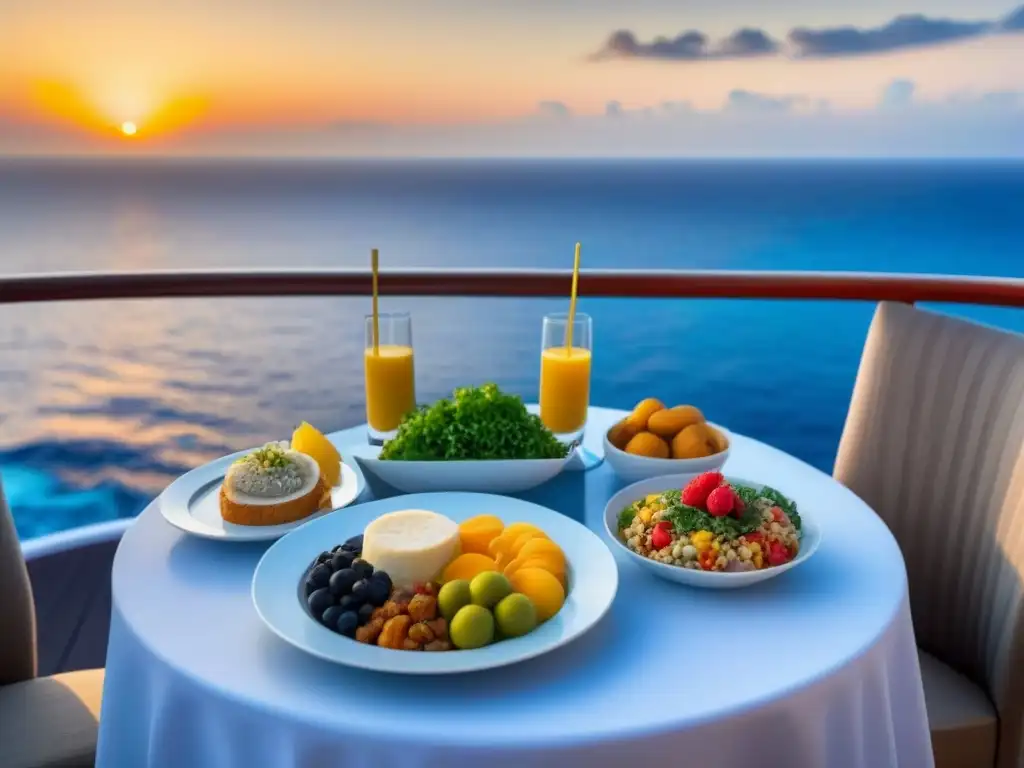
{"x":103,"y":403}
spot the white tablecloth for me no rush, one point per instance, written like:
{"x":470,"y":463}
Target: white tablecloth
{"x":814,"y":668}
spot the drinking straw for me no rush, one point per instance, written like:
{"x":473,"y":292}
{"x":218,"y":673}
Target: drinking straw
{"x":376,"y":318}
{"x":572,"y":302}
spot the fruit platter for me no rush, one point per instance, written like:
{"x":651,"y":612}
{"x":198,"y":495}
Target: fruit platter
{"x":435,"y":583}
{"x":262,"y":494}
{"x":710,"y":530}
{"x":657,"y":440}
{"x":480,"y":439}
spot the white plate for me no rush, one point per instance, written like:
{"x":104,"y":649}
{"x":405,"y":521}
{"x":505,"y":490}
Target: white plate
{"x":192,"y":503}
{"x":499,"y":476}
{"x":276,"y":586}
{"x":810,"y":537}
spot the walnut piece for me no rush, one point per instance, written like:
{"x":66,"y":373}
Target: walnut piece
{"x":389,"y":610}
{"x":438,"y":645}
{"x":394,"y":633}
{"x":369,"y":632}
{"x":439,"y":627}
{"x":423,"y":608}
{"x":421,"y":633}
{"x":410,"y":645}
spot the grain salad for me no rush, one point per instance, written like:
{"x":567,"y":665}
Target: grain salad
{"x":712,"y":525}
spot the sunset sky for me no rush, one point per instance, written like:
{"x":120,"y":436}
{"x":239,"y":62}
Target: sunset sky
{"x":539,"y":77}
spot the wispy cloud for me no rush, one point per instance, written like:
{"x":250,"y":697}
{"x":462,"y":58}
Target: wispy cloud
{"x":689,"y":46}
{"x":899,"y":94}
{"x":748,"y":101}
{"x":911,"y":31}
{"x":1015,"y":21}
{"x":903,"y":32}
{"x":555,"y":109}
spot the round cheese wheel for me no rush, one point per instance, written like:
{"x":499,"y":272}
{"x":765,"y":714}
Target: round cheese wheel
{"x":411,"y":545}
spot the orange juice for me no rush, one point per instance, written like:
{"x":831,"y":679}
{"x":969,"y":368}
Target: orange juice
{"x":390,"y":386}
{"x":564,"y":388}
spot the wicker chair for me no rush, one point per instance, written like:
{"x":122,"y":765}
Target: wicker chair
{"x":934,"y":442}
{"x":45,"y":722}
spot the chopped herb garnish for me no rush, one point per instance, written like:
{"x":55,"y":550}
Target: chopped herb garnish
{"x":687,"y":519}
{"x":626,"y":516}
{"x":477,"y":423}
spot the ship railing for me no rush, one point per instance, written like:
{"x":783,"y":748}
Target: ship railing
{"x":516,"y":283}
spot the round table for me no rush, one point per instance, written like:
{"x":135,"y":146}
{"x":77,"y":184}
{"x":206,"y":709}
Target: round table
{"x":817,"y":667}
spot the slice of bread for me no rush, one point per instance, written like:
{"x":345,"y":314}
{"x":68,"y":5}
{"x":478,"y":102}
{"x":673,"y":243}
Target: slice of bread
{"x":244,"y":509}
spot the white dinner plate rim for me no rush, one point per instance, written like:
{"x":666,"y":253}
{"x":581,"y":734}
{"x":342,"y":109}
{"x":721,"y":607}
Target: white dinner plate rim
{"x":716,"y":578}
{"x":176,"y":500}
{"x":504,"y":653}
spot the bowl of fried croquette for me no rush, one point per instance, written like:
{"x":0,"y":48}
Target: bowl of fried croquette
{"x":655,"y":440}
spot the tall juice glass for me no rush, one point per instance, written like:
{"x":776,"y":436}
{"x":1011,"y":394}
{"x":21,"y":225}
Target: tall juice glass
{"x":390,"y":378}
{"x":565,"y":374}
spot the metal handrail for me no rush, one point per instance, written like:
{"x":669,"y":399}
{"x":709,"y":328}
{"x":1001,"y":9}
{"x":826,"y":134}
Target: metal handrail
{"x":858,"y":286}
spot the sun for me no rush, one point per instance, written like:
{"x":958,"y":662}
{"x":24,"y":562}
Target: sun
{"x":129,"y":128}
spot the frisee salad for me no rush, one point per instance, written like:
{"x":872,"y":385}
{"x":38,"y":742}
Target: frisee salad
{"x":712,"y":525}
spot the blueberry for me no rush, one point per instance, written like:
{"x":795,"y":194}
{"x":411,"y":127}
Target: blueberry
{"x":323,"y":557}
{"x":342,"y":560}
{"x":361,"y":590}
{"x":309,"y":588}
{"x":355,"y":544}
{"x":377,"y":592}
{"x":341,"y":582}
{"x":348,"y":623}
{"x":381,"y":576}
{"x":320,"y":576}
{"x":362,"y":568}
{"x":331,"y":616}
{"x":337,"y":549}
{"x":319,"y":602}
{"x":365,"y":612}
{"x":350,"y":603}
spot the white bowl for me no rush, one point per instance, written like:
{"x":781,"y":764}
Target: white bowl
{"x":501,"y":476}
{"x":810,"y":538}
{"x":631,"y":467}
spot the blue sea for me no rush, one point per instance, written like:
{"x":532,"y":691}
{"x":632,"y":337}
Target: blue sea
{"x":103,"y":403}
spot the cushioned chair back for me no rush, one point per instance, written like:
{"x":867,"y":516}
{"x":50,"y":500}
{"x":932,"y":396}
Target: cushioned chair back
{"x":17,"y":612}
{"x":933,"y":442}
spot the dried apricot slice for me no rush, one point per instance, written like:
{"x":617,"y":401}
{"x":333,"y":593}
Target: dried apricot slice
{"x":476,"y":534}
{"x":543,"y":589}
{"x":468,"y":565}
{"x":520,"y":542}
{"x":555,"y":567}
{"x":540,"y":546}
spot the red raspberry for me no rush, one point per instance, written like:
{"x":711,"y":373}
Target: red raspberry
{"x":720,"y":502}
{"x":738,"y":507}
{"x":696,"y":492}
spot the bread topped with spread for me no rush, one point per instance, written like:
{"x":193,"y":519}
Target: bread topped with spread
{"x":272,"y":485}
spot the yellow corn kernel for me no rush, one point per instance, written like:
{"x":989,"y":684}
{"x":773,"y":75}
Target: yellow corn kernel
{"x":646,"y":514}
{"x":754,"y":548}
{"x":758,"y":560}
{"x":705,"y":535}
{"x":652,"y":498}
{"x":716,"y":546}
